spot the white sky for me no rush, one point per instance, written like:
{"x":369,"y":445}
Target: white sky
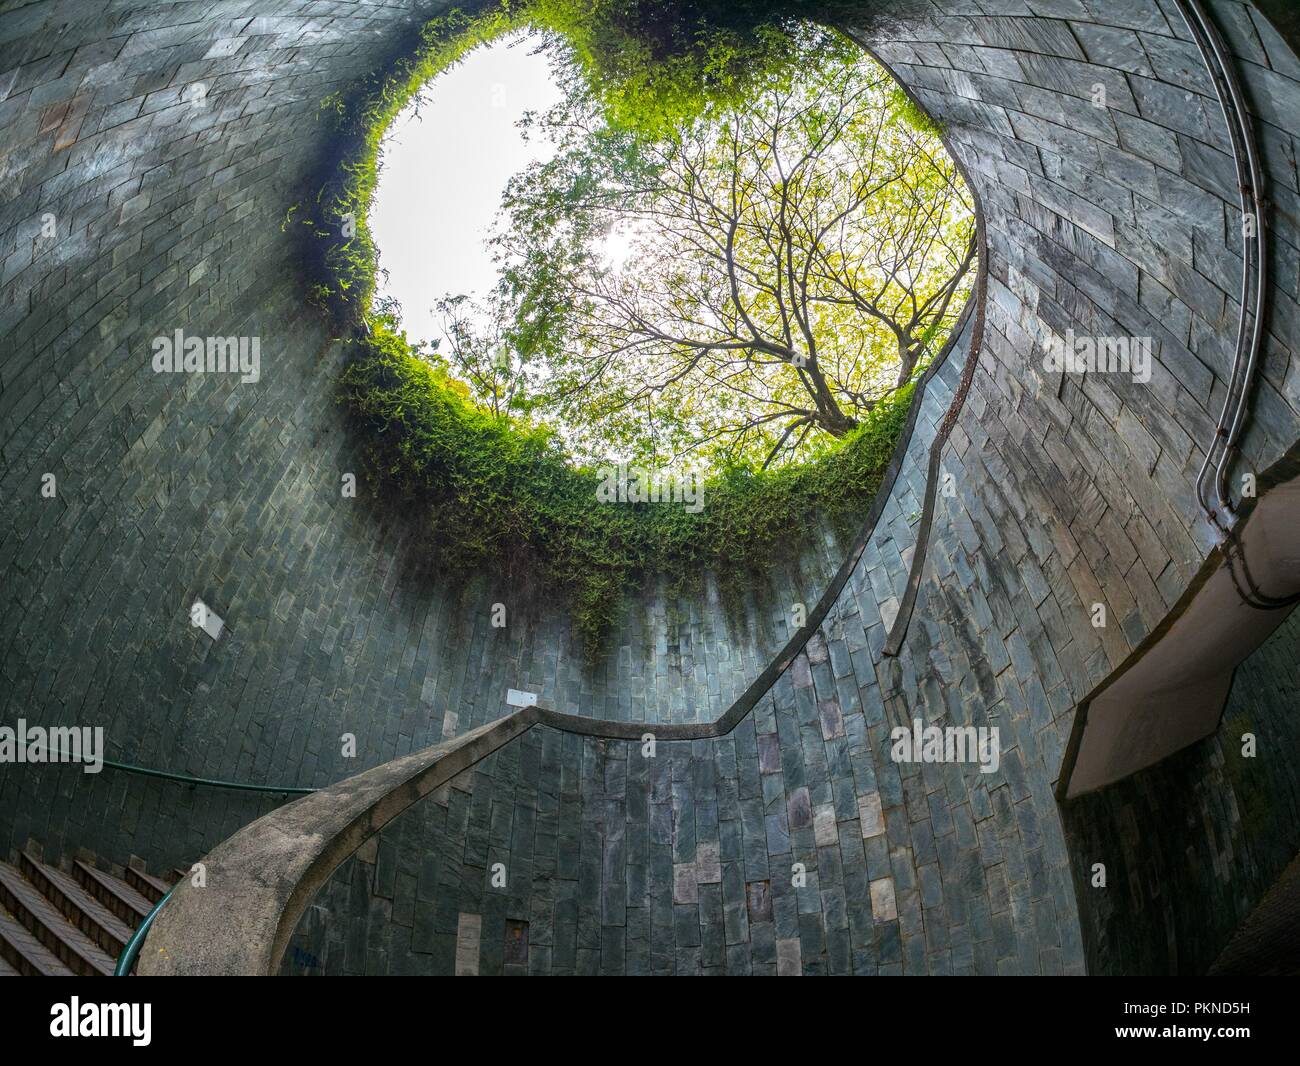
{"x":443,"y":174}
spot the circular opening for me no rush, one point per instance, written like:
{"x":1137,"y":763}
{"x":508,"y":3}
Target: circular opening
{"x":704,"y":326}
{"x":741,"y":288}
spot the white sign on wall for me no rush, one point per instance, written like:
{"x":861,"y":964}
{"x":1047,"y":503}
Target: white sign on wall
{"x":205,"y":618}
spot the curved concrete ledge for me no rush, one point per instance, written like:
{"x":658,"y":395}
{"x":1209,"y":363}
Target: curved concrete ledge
{"x":1171,"y":691}
{"x":968,"y":327}
{"x":259,"y":881}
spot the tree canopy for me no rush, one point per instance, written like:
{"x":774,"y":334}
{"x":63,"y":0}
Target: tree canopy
{"x":739,"y":289}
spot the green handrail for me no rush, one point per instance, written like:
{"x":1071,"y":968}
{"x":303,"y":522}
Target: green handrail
{"x":129,"y":953}
{"x":127,"y":959}
{"x":207,"y":782}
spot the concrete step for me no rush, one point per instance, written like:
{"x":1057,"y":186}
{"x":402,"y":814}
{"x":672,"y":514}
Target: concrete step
{"x":60,"y":937}
{"x":77,"y":922}
{"x":76,"y":904}
{"x":25,"y":953}
{"x":151,"y":888}
{"x":114,"y":893}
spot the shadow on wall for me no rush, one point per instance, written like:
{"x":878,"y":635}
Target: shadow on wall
{"x":1190,"y":845}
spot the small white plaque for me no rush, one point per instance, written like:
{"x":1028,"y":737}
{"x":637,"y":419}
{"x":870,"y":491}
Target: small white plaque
{"x":205,"y":618}
{"x":521,"y":699}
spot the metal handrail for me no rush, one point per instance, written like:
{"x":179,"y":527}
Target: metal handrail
{"x":1250,"y":185}
{"x":167,"y":775}
{"x":127,"y":959}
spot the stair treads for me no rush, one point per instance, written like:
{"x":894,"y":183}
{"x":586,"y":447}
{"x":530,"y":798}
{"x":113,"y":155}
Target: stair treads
{"x":150,"y":887}
{"x":70,"y":897}
{"x":50,"y":927}
{"x":27,"y":954}
{"x":113,"y":892}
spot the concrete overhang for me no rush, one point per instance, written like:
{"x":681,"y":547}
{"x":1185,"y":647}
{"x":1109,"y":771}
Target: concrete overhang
{"x":1171,"y":691}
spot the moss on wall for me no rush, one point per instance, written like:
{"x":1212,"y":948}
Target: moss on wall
{"x":488,"y":493}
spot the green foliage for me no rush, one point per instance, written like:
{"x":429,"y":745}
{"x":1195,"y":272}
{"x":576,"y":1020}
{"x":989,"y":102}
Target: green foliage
{"x":651,"y":63}
{"x":490,"y":493}
{"x":811,"y":228}
{"x":904,"y":109}
{"x":655,"y":63}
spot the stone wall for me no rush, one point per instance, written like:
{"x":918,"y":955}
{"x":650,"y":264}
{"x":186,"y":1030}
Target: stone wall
{"x":168,"y":143}
{"x":1191,"y":845}
{"x":1115,"y":221}
{"x":1118,"y":220}
{"x":684,"y":861}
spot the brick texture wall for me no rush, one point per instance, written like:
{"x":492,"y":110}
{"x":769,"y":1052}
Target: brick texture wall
{"x":166,"y":142}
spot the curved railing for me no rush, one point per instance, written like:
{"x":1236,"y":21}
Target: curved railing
{"x":260,"y":881}
{"x":127,"y":959}
{"x":185,"y":779}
